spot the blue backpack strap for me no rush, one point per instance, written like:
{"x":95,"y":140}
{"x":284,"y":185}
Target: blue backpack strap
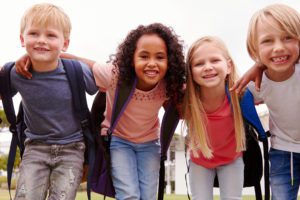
{"x":7,"y":101}
{"x":74,"y":74}
{"x":168,"y":126}
{"x":250,"y":115}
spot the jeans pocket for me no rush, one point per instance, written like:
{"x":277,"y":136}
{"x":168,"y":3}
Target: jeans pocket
{"x":79,"y":146}
{"x":278,"y":159}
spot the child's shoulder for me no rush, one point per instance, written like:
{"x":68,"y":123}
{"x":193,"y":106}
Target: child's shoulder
{"x":106,"y":75}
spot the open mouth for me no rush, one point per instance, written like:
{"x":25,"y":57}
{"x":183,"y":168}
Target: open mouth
{"x":209,"y":76}
{"x":279,"y":60}
{"x":40,"y":49}
{"x":151,"y":73}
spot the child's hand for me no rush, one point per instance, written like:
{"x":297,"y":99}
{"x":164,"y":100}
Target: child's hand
{"x":253,"y":74}
{"x":22,"y":66}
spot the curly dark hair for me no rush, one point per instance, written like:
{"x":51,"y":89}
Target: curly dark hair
{"x":175,"y":76}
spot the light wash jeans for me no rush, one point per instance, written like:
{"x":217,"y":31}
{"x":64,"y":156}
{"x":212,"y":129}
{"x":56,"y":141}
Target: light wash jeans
{"x":280,"y":174}
{"x":55,"y":170}
{"x":230,"y":176}
{"x":135,"y":169}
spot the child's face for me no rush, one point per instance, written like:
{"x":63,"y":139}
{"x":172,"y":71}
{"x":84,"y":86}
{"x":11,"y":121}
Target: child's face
{"x":209,"y":67}
{"x":150,"y":61}
{"x":43,"y":44}
{"x":277,"y":50}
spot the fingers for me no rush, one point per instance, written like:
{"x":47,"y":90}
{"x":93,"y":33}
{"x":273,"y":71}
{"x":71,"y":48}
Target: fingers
{"x":239,"y":85}
{"x":26,"y":69}
{"x":235,"y":85}
{"x":243,"y":83}
{"x":22,"y":66}
{"x":257,"y":83}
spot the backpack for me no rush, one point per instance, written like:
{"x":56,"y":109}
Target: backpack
{"x":74,"y":75}
{"x":102,"y":181}
{"x":253,"y":164}
{"x":252,"y":156}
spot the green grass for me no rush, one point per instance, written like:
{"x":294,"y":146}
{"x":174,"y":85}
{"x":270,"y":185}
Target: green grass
{"x":4,"y":195}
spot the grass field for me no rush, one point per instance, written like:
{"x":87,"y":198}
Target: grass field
{"x":4,"y":195}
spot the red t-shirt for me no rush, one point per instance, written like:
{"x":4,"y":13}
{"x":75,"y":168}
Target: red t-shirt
{"x":221,"y":133}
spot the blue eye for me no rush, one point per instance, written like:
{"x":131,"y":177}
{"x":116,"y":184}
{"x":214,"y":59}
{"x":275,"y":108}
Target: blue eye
{"x":200,"y":64}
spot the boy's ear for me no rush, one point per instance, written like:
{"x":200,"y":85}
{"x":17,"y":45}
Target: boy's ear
{"x":66,"y":45}
{"x":22,"y":40}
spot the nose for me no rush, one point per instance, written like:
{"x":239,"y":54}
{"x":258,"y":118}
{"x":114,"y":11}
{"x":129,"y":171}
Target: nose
{"x":41,"y":39}
{"x":208,"y":66}
{"x":152,"y":63}
{"x":278,"y":46}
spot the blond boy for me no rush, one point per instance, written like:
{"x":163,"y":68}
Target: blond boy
{"x":274,"y":41}
{"x":53,"y":159}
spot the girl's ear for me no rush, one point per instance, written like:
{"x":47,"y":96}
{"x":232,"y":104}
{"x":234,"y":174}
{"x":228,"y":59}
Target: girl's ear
{"x":229,"y":66}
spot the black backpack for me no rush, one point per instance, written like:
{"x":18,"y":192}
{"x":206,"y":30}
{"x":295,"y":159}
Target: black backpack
{"x":17,"y":126}
{"x":253,"y":163}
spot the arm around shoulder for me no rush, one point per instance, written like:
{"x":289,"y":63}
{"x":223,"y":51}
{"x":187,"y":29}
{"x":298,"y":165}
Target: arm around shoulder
{"x":253,"y":74}
{"x":87,"y":61}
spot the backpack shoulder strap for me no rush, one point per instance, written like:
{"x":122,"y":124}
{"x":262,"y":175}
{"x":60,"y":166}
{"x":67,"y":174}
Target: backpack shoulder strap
{"x":251,"y":116}
{"x":75,"y":77}
{"x":168,"y":126}
{"x":7,"y":101}
{"x":123,"y":95}
{"x":6,"y":93}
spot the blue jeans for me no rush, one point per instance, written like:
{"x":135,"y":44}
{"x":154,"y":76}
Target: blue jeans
{"x":55,"y":170}
{"x":280,"y":175}
{"x":135,"y":169}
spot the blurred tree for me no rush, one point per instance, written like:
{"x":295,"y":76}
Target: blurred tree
{"x":4,"y":159}
{"x":4,"y":120}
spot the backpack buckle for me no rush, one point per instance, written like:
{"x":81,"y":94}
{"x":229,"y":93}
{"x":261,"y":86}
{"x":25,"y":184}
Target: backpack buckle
{"x":109,"y":132}
{"x":84,"y":123}
{"x":13,"y":129}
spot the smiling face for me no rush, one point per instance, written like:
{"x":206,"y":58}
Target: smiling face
{"x":150,"y":61}
{"x":277,"y":50}
{"x":209,"y":67}
{"x":43,"y":44}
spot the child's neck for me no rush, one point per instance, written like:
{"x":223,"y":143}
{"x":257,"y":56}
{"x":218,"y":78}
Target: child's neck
{"x":44,"y":66}
{"x":280,"y":76}
{"x":212,"y":99}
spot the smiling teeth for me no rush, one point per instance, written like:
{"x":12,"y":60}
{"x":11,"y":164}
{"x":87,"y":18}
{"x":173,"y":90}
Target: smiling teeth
{"x":280,"y":59}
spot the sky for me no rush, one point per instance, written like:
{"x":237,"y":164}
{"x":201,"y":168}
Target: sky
{"x":100,"y":25}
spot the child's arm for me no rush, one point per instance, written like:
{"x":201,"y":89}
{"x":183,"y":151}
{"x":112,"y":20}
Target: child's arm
{"x":89,"y":62}
{"x":22,"y":66}
{"x":253,"y":74}
{"x":23,"y":63}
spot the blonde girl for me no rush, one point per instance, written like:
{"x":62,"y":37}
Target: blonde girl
{"x":214,"y":122}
